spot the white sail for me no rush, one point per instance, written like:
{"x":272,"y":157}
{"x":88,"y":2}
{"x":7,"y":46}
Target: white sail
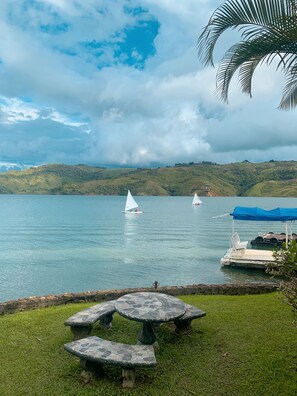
{"x":196,"y":200}
{"x":131,"y":204}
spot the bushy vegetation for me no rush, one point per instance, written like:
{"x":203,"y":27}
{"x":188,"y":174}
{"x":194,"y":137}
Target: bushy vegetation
{"x":239,"y":179}
{"x":285,"y":265}
{"x":245,"y":345}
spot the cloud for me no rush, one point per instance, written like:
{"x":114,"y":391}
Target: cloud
{"x":119,"y":82}
{"x":41,"y":141}
{"x":15,"y":110}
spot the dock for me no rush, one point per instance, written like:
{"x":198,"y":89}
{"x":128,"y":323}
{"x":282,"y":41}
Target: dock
{"x":247,"y":258}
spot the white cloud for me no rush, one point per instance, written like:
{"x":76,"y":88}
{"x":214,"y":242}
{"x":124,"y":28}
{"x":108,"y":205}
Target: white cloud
{"x":16,"y":110}
{"x":57,"y":104}
{"x":55,"y":116}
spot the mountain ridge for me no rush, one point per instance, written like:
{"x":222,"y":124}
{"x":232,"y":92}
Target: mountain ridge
{"x":273,"y":178}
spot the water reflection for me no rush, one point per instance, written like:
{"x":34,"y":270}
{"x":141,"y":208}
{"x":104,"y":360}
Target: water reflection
{"x":130,"y":236}
{"x":130,"y":227}
{"x":241,"y":275}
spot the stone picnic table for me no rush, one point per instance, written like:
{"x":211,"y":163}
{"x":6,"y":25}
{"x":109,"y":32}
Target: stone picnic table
{"x":150,"y":309}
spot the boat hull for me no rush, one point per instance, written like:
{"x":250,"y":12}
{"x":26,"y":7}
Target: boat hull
{"x":135,"y":213}
{"x":271,"y":240}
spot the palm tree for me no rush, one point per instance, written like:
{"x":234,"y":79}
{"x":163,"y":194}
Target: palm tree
{"x":268,"y":31}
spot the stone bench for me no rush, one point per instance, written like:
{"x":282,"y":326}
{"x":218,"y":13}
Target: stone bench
{"x":94,"y":351}
{"x":183,"y":324}
{"x":82,"y":322}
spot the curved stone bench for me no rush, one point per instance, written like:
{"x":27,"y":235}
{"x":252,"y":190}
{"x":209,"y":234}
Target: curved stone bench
{"x":183,"y":324}
{"x":94,"y":351}
{"x":82,"y":322}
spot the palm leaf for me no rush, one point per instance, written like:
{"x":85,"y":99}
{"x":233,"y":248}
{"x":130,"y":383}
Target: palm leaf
{"x":241,"y":14}
{"x":247,"y":55}
{"x":289,"y":99}
{"x":268,"y":30}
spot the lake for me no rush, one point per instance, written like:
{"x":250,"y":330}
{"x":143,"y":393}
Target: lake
{"x":57,"y":244}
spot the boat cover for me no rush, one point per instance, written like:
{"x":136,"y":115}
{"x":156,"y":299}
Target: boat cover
{"x":258,"y":214}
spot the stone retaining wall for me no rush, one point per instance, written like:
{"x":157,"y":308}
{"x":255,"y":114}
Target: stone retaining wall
{"x":24,"y":304}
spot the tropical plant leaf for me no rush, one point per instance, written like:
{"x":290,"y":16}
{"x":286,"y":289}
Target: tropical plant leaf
{"x":268,"y":31}
{"x":289,"y":99}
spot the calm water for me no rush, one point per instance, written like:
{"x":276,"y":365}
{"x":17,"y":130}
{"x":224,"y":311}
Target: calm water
{"x":56,"y":244}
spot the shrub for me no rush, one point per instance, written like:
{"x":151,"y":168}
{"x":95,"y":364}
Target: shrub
{"x":285,"y":265}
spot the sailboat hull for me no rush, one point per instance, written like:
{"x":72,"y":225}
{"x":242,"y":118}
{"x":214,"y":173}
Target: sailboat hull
{"x":132,"y":212}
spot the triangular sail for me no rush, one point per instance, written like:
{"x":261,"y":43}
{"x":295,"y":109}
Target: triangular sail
{"x":131,"y":204}
{"x":196,"y":200}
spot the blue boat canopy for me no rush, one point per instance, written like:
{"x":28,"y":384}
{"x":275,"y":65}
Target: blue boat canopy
{"x":258,"y":214}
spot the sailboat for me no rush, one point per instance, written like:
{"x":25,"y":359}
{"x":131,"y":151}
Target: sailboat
{"x":131,"y":205}
{"x":196,"y":200}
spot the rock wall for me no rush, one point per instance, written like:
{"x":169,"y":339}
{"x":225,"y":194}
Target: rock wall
{"x":24,"y":304}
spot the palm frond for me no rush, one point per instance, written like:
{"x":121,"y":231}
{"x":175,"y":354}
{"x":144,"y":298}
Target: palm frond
{"x":289,"y":99}
{"x":246,"y":73}
{"x":265,"y":15}
{"x":246,"y":56}
{"x":268,"y":31}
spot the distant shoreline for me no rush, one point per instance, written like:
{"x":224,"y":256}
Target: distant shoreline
{"x":266,"y":179}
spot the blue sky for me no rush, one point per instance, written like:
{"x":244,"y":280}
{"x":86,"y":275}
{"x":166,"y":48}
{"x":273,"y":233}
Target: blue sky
{"x":119,"y":83}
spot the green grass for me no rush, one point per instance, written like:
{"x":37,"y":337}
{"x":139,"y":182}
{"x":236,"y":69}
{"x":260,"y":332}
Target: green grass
{"x":246,"y":345}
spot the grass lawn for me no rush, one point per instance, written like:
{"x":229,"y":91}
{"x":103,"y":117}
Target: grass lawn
{"x":245,"y":345}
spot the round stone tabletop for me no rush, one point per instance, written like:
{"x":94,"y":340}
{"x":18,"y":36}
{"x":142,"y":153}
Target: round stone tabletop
{"x":150,"y":307}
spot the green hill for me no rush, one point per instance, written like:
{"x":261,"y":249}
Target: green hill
{"x":237,"y":179}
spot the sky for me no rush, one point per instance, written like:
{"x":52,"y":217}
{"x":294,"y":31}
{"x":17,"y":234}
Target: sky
{"x":119,"y":83}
